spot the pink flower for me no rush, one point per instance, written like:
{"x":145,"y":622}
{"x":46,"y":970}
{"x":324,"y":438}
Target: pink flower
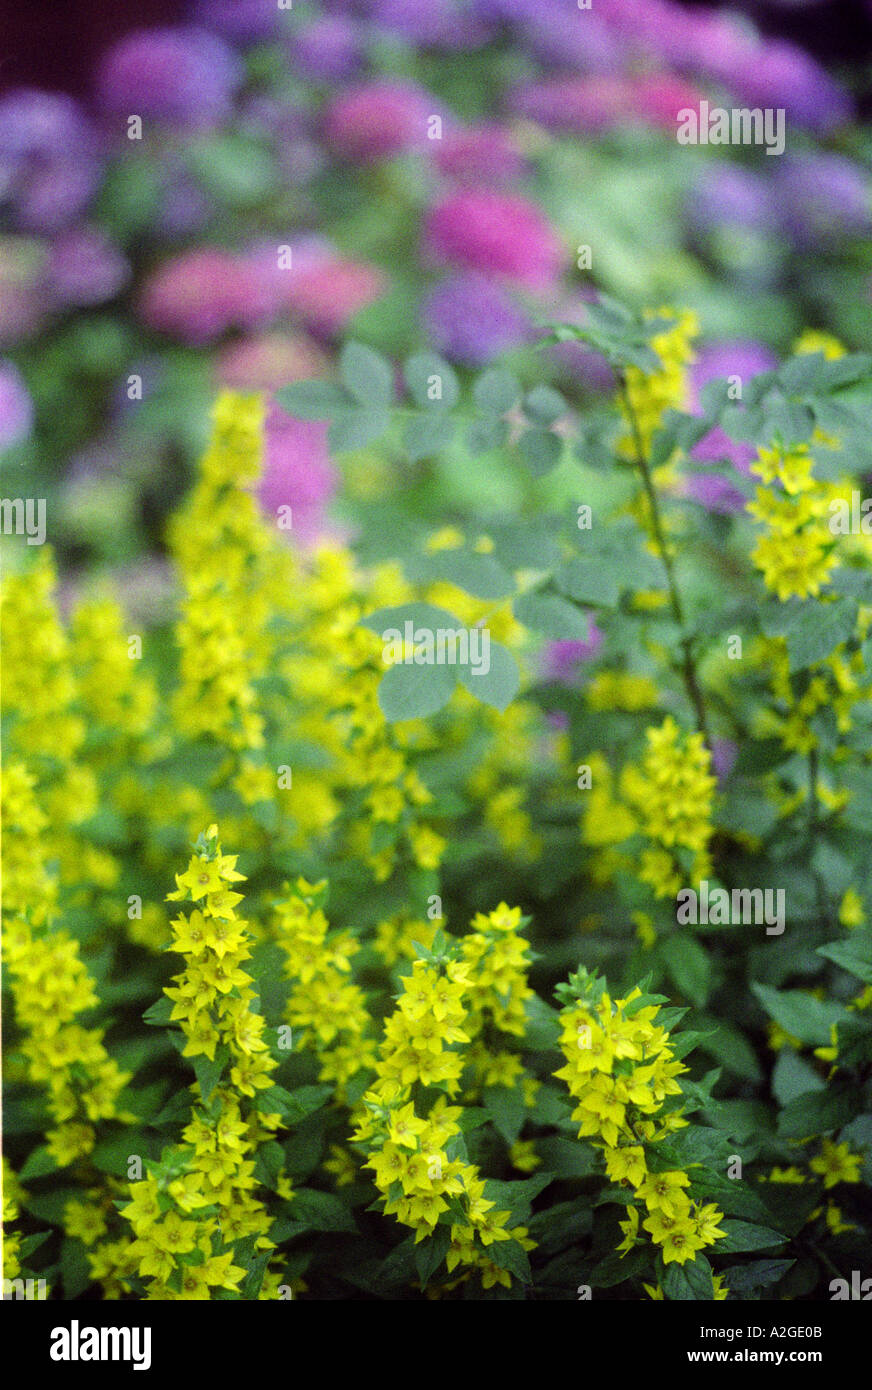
{"x":484,"y":154}
{"x":297,"y":473}
{"x":270,"y":361}
{"x":326,"y":294}
{"x":497,"y":233}
{"x":200,"y":294}
{"x":378,"y":119}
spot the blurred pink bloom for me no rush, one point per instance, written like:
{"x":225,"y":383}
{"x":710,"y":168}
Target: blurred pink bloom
{"x":327,"y":293}
{"x":297,"y":472}
{"x":483,"y":154}
{"x":592,"y":104}
{"x":200,"y":294}
{"x":378,"y":119}
{"x":496,"y":233}
{"x":270,"y":361}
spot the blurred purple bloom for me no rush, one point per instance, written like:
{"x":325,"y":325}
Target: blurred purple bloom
{"x":297,"y":472}
{"x":724,"y":754}
{"x":728,"y":195}
{"x":49,"y":159}
{"x":562,"y":659}
{"x":84,"y":267}
{"x":186,"y":77}
{"x":448,"y":24}
{"x":471,"y":319}
{"x":582,"y":362}
{"x":823,"y":196}
{"x":16,"y":407}
{"x":566,"y":39}
{"x":328,"y":49}
{"x":244,"y":21}
{"x":715,"y":362}
{"x":376,"y":120}
{"x":484,"y":154}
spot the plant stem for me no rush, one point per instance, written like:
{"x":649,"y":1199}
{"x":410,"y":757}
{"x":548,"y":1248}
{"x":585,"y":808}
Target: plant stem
{"x":688,"y":666}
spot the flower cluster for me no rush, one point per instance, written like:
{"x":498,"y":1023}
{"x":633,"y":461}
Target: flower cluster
{"x":621,"y":1070}
{"x":671,"y":792}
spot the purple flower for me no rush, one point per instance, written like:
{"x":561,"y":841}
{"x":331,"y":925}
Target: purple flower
{"x":297,"y":473}
{"x":471,"y":319}
{"x":49,"y":159}
{"x":724,"y":754}
{"x":823,"y":196}
{"x":562,"y":659}
{"x":16,"y":407}
{"x":186,"y":77}
{"x":243,"y":21}
{"x":495,"y":233}
{"x":718,"y":361}
{"x":327,"y":50}
{"x":728,"y":195}
{"x":774,"y":73}
{"x":199,"y":295}
{"x":84,"y":267}
{"x":483,"y":154}
{"x":376,"y":120}
{"x":582,"y":362}
{"x":566,"y":39}
{"x":436,"y":24}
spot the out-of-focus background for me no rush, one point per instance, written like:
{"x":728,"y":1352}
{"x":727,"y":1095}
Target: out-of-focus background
{"x":222,"y":192}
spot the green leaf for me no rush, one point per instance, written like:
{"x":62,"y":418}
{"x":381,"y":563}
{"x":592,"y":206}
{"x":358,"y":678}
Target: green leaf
{"x":414,"y":692}
{"x":505,"y":1105}
{"x":424,"y":615}
{"x":428,"y":435}
{"x":553,"y":616}
{"x":483,"y":436}
{"x":38,"y":1163}
{"x":496,"y":391}
{"x":208,"y":1073}
{"x":683,"y":1283}
{"x":366,"y":374}
{"x":745,"y":1280}
{"x":792,"y":1077}
{"x":743,"y":1235}
{"x":497,"y":686}
{"x":158,"y":1013}
{"x":589,"y":581}
{"x":313,"y":400}
{"x":800,"y":1014}
{"x":321,"y":1211}
{"x":853,"y":955}
{"x":251,"y":1284}
{"x":689,"y":965}
{"x":543,"y":405}
{"x":430,"y":1253}
{"x":296,"y":1105}
{"x":480,"y":575}
{"x":833,"y":624}
{"x":818,"y":1112}
{"x":508,"y":1254}
{"x":355,"y":429}
{"x":425,"y":374}
{"x":540,"y":449}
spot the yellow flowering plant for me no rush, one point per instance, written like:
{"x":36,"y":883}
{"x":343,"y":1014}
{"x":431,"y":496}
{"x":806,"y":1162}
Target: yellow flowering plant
{"x":293,"y":876}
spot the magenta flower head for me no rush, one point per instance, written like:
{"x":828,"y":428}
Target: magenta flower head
{"x":479,"y":155}
{"x":719,"y":361}
{"x":562,"y":659}
{"x":471,"y":319}
{"x":497,"y":234}
{"x":16,"y":407}
{"x":197,"y":296}
{"x":182,"y":77}
{"x":376,"y":120}
{"x":297,"y":473}
{"x":85,"y":267}
{"x":50,"y":164}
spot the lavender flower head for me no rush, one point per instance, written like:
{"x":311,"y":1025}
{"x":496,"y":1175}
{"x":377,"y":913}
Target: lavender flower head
{"x":471,"y":319}
{"x":50,"y":163}
{"x":183,"y":77}
{"x":562,"y":659}
{"x":823,"y":196}
{"x":16,"y":407}
{"x":85,"y":267}
{"x":241,"y":21}
{"x":718,"y":361}
{"x":479,"y":155}
{"x":327,"y":49}
{"x":447,"y":24}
